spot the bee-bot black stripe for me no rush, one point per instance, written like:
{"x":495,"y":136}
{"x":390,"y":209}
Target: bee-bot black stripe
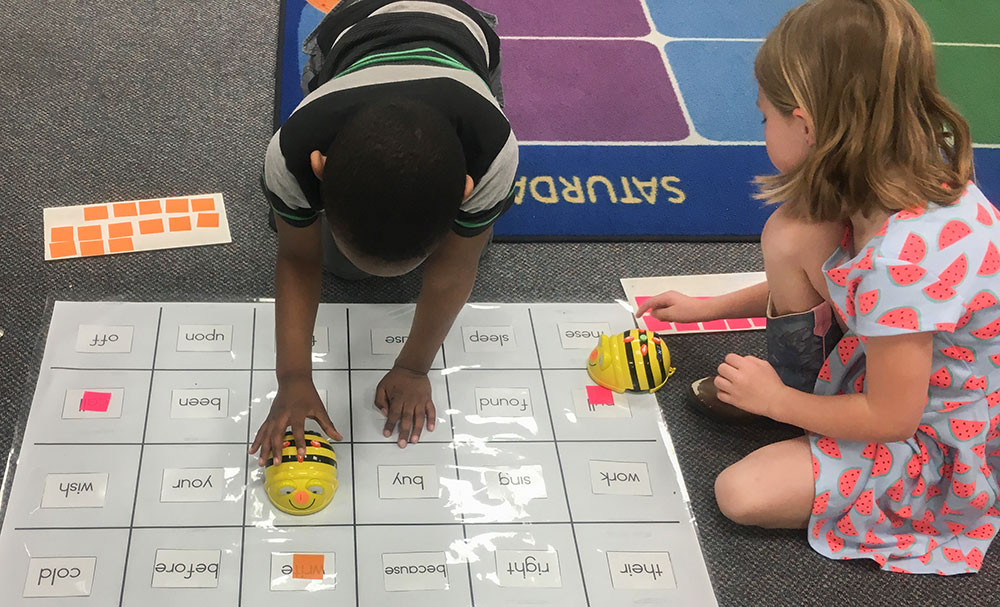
{"x":630,"y":356}
{"x":308,"y":457}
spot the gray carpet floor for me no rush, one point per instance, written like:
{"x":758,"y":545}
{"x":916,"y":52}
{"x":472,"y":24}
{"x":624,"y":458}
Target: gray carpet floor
{"x":124,"y":100}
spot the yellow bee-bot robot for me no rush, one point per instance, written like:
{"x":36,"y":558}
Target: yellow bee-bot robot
{"x":634,"y":360}
{"x":302,"y":487}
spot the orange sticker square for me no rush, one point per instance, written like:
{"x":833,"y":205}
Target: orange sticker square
{"x":307,"y":566}
{"x":177,"y":205}
{"x":89,"y":232}
{"x":180,"y":224}
{"x":119,"y":245}
{"x":62,"y":249}
{"x":149,"y":207}
{"x":200,"y":205}
{"x":95,"y":212}
{"x":62,"y":234}
{"x":125,"y":209}
{"x":120,"y":230}
{"x":208,"y":220}
{"x":92,"y":247}
{"x":151,"y":226}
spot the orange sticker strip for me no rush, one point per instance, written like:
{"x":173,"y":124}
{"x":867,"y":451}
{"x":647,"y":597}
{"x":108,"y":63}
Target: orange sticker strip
{"x":179,"y":224}
{"x":149,"y":207}
{"x":125,"y":209}
{"x":120,"y":230}
{"x":61,"y":234}
{"x":307,"y":566}
{"x":120,"y":245}
{"x":177,"y":205}
{"x":91,"y":247}
{"x":62,"y":249}
{"x":151,"y":226}
{"x":208,"y":220}
{"x":199,"y":205}
{"x":89,"y":232}
{"x":95,"y":212}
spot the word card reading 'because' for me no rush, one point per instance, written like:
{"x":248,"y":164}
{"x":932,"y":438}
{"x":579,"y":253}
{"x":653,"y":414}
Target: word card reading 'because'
{"x":75,"y":490}
{"x":60,"y":576}
{"x":641,"y":571}
{"x":186,"y":568}
{"x":489,"y":339}
{"x":193,"y":484}
{"x":312,"y":572}
{"x":93,"y":403}
{"x":205,"y":338}
{"x":503,"y":402}
{"x":582,"y":335}
{"x":528,"y":568}
{"x":620,"y":478}
{"x":389,"y":340}
{"x":103,"y":338}
{"x":408,"y":482}
{"x":415,"y":571}
{"x":206,"y":403}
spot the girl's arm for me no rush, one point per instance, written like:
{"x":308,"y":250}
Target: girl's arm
{"x":672,"y":306}
{"x":896,"y":380}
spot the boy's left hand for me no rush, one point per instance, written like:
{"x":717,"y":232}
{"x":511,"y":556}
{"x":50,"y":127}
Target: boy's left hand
{"x":749,"y":383}
{"x":404,"y":397}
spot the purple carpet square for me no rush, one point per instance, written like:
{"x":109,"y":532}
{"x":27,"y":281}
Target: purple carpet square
{"x":590,"y":90}
{"x":568,"y":17}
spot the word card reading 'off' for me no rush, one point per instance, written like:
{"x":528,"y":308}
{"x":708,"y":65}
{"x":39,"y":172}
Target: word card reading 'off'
{"x":104,"y":339}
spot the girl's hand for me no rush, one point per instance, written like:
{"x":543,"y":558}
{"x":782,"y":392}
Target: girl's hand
{"x":672,"y":306}
{"x":749,"y":383}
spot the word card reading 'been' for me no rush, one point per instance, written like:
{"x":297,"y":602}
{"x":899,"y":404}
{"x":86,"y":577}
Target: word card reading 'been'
{"x":104,"y":339}
{"x":620,"y":478}
{"x":528,"y":568}
{"x":415,"y":571}
{"x":312,"y":572}
{"x":186,"y":568}
{"x":199,"y":404}
{"x":59,"y":577}
{"x":641,"y":571}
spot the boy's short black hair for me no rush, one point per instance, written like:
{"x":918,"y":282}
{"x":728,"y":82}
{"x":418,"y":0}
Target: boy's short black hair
{"x":394,"y":179}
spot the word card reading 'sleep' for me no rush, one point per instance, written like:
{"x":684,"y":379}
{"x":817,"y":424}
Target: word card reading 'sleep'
{"x":528,"y":568}
{"x":186,"y":568}
{"x":489,"y":339}
{"x":135,"y":225}
{"x":641,"y":570}
{"x":408,"y":482}
{"x":59,"y":577}
{"x":620,"y":478}
{"x":75,"y":490}
{"x":100,"y":338}
{"x":415,"y":571}
{"x":312,"y":572}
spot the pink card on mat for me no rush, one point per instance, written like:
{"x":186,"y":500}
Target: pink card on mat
{"x":95,"y":401}
{"x":596,"y":395}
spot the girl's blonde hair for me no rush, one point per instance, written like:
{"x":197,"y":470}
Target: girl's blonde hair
{"x":885,"y":136}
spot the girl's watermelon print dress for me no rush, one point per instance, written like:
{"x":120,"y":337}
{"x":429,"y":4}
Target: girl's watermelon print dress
{"x":927,"y":504}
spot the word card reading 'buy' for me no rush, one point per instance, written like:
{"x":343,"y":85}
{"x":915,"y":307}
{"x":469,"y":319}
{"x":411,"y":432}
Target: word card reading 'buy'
{"x":135,"y":225}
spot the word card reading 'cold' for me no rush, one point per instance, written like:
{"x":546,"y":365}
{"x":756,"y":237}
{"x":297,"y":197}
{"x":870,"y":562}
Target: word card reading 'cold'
{"x":641,"y":571}
{"x":489,"y":339}
{"x":389,"y":341}
{"x":205,"y":338}
{"x":208,"y":403}
{"x":408,"y":482}
{"x":503,"y":402}
{"x":522,"y":483}
{"x":104,"y":338}
{"x":93,"y":403}
{"x":586,"y":407}
{"x":75,"y":490}
{"x":582,"y":335}
{"x":312,"y":572}
{"x":193,"y":485}
{"x":620,"y":478}
{"x":54,"y":577}
{"x":186,"y":568}
{"x":528,"y":568}
{"x":415,"y":571}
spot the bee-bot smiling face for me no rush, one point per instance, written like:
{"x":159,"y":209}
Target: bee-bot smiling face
{"x":634,"y":360}
{"x":302,"y":487}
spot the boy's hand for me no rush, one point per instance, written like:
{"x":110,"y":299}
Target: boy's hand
{"x":404,"y":397}
{"x":672,"y":306}
{"x":295,"y":401}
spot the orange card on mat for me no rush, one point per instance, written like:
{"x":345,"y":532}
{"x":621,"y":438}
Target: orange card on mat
{"x":91,"y":247}
{"x":120,"y":230}
{"x":61,"y":234}
{"x":120,"y":245}
{"x":199,"y":205}
{"x":177,"y":205}
{"x":179,"y":224}
{"x":125,"y":209}
{"x":307,"y":566}
{"x":62,"y":249}
{"x":95,"y":212}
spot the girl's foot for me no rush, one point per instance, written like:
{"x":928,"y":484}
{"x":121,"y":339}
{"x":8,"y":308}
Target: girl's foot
{"x":704,"y":399}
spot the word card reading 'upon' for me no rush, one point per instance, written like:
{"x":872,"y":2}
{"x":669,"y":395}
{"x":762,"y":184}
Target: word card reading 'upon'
{"x":61,"y":576}
{"x":408,"y":482}
{"x":205,"y":338}
{"x":134,"y":225}
{"x":312,"y":572}
{"x":415,"y":571}
{"x":641,"y":570}
{"x":528,"y":568}
{"x":106,"y":339}
{"x":186,"y":568}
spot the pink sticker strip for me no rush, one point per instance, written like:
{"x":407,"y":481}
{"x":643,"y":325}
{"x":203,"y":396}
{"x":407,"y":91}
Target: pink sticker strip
{"x":95,"y":401}
{"x":596,"y":395}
